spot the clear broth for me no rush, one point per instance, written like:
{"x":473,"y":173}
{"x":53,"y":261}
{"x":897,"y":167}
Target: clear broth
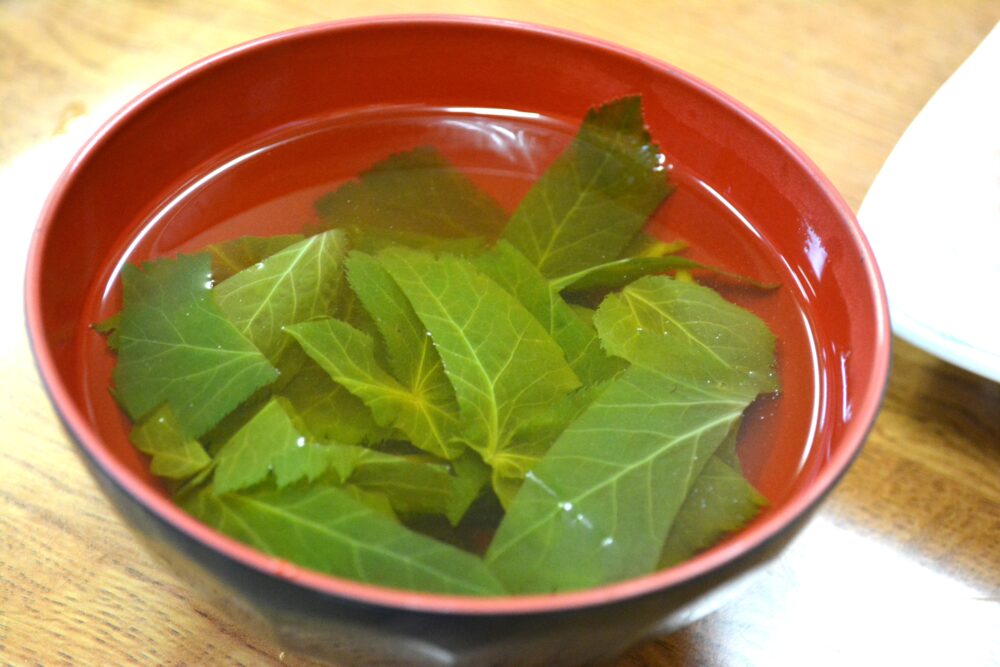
{"x":269,"y":186}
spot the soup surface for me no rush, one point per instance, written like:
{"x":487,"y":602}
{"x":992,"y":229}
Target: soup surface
{"x":271,"y":185}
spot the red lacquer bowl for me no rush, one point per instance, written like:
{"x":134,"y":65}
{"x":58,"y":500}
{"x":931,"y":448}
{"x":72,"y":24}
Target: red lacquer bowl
{"x":830,"y":313}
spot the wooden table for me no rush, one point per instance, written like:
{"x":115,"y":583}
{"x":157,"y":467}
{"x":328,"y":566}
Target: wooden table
{"x":901,"y":566}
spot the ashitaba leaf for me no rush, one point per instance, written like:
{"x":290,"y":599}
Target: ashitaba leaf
{"x":231,"y":257}
{"x":268,"y":442}
{"x":660,"y":322}
{"x":108,"y":327}
{"x":599,"y":505}
{"x":349,"y":309}
{"x":602,"y":501}
{"x":347,"y":355}
{"x":177,"y":346}
{"x":727,"y":451}
{"x":503,"y":365}
{"x":295,"y":284}
{"x":414,"y":484}
{"x":322,"y":527}
{"x":721,"y":501}
{"x":372,"y":499}
{"x":174,"y":454}
{"x":412,"y":356}
{"x":271,"y":443}
{"x":417,"y":192}
{"x":327,"y":412}
{"x":371,"y":240}
{"x":506,"y":266}
{"x":645,"y":244}
{"x":620,"y":272}
{"x":597,"y":195}
{"x":533,"y":439}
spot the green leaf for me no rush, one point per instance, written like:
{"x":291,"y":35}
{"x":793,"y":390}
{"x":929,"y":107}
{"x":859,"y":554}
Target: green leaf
{"x":372,"y":240}
{"x":231,"y":257}
{"x":228,"y":258}
{"x":291,"y":286}
{"x":347,"y":355}
{"x":534,"y":438}
{"x":414,"y":484}
{"x":326,"y":412}
{"x":177,"y":346}
{"x":599,"y":505}
{"x":413,"y":359}
{"x":506,"y":266}
{"x":417,"y":192}
{"x":268,"y":442}
{"x":597,"y":195}
{"x":645,"y":244}
{"x":175,"y":455}
{"x":503,"y":365}
{"x":621,"y":272}
{"x":661,"y":322}
{"x":350,"y":309}
{"x":727,"y":450}
{"x":108,"y":327}
{"x":471,"y":475}
{"x":617,"y":273}
{"x":227,"y":427}
{"x":585,"y":314}
{"x":373,"y":499}
{"x":721,"y":501}
{"x":324,"y":528}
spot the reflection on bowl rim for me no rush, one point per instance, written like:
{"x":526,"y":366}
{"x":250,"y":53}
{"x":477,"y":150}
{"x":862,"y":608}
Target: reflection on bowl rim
{"x":751,"y":538}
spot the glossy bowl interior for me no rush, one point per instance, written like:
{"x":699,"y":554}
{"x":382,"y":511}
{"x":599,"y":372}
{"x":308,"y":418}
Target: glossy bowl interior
{"x":220,"y":106}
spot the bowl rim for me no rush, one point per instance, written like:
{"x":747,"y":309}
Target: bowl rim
{"x":748,"y":541}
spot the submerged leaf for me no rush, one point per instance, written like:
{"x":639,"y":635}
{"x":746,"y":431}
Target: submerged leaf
{"x":108,"y":327}
{"x":503,"y":365}
{"x":414,"y":484}
{"x":414,"y":361}
{"x":689,"y":329}
{"x":296,"y":284}
{"x":535,"y":437}
{"x":418,"y":192}
{"x":617,"y":273}
{"x":372,"y":499}
{"x":177,"y":346}
{"x":326,"y":412}
{"x":174,"y":454}
{"x":727,"y":450}
{"x":231,"y":257}
{"x":599,"y":505}
{"x":347,"y":355}
{"x":506,"y":266}
{"x":324,"y":528}
{"x":268,"y":442}
{"x":597,"y":195}
{"x":372,"y":240}
{"x":219,"y":434}
{"x":721,"y":501}
{"x":471,"y":475}
{"x":645,"y":244}
{"x":621,"y":272}
{"x":350,"y":309}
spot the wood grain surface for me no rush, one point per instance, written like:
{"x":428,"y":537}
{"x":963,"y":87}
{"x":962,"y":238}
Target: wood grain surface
{"x":902,"y":564}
